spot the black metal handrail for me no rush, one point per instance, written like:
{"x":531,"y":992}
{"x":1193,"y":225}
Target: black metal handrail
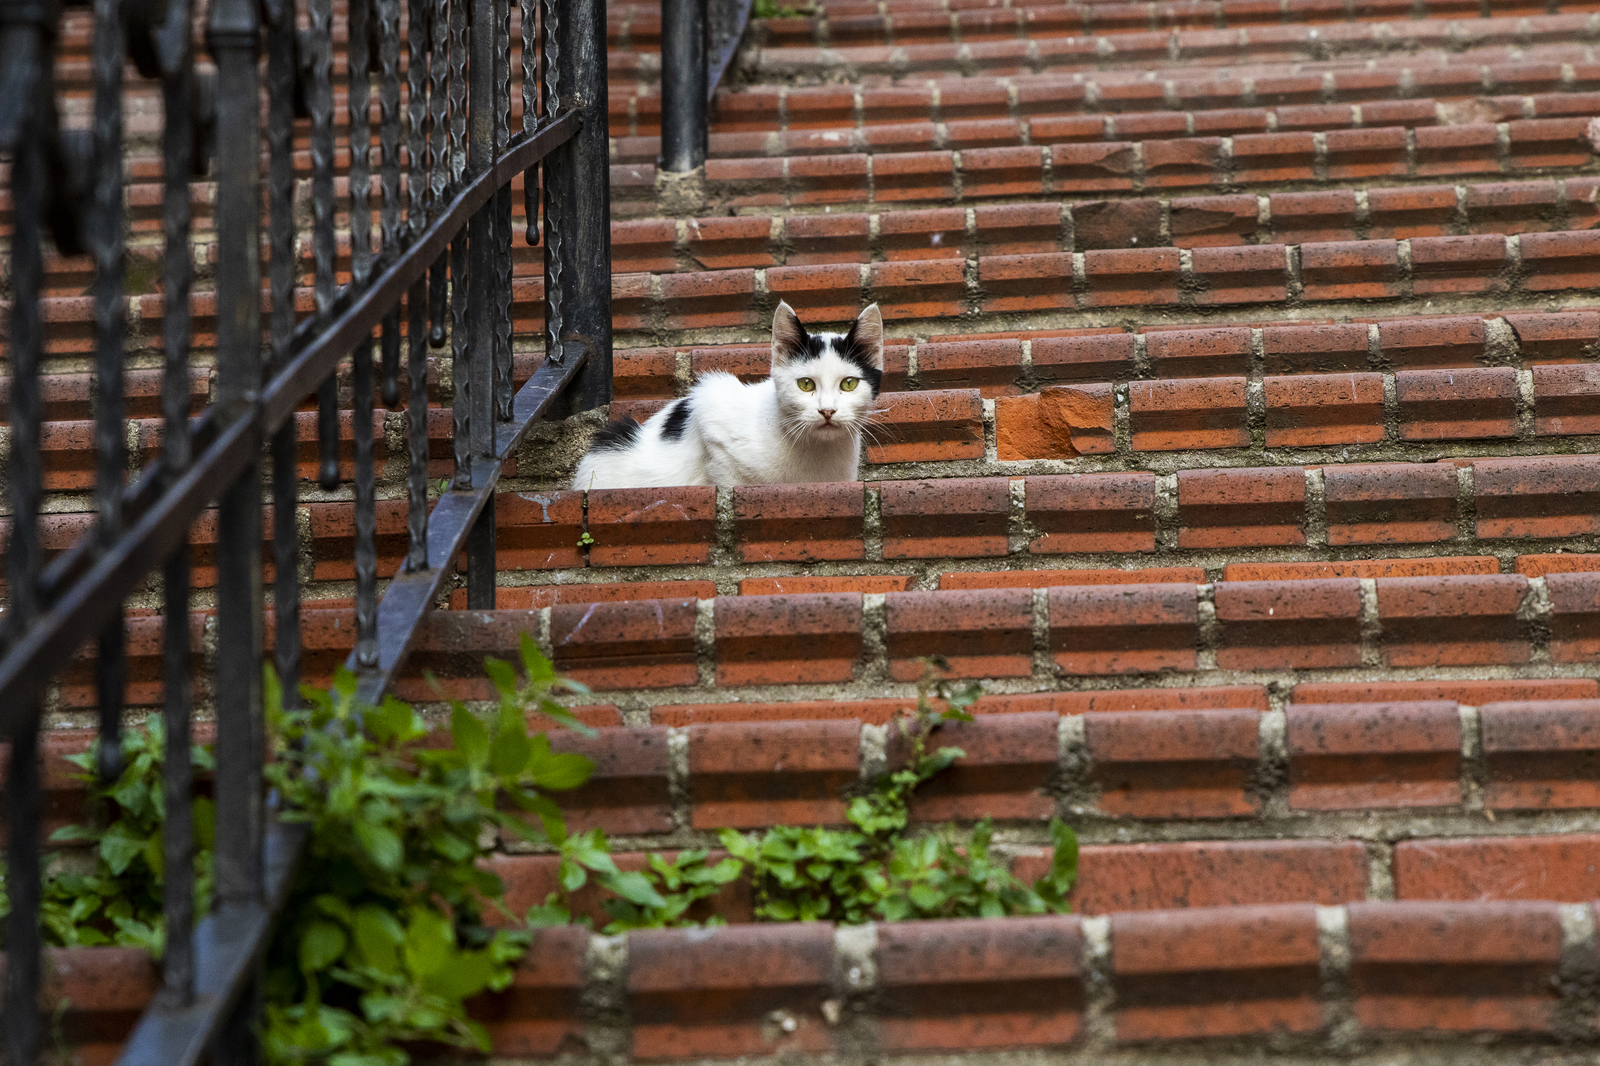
{"x":440,"y":265}
{"x":698,"y":41}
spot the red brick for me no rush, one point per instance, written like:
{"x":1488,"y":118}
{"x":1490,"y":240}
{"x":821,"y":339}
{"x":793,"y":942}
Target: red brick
{"x":1265,"y":158}
{"x":712,"y":993}
{"x":749,"y":363}
{"x":1454,"y":967}
{"x":628,"y":791}
{"x":1310,"y":217}
{"x":1418,"y":343}
{"x":1238,"y":275}
{"x":802,"y":583}
{"x":533,"y":597}
{"x":1152,"y":124}
{"x":757,"y":774}
{"x":1124,"y":629}
{"x":1357,"y":756}
{"x":1188,"y":414}
{"x":1018,"y":229}
{"x":645,"y":372}
{"x":1092,"y":512}
{"x":945,"y":517}
{"x":1517,"y":206}
{"x":1174,"y":764}
{"x":1197,"y":874}
{"x":1575,"y":619}
{"x":1350,"y":270}
{"x":1457,"y":404}
{"x":707,"y":299}
{"x":1108,"y":357}
{"x":1009,"y":760}
{"x":827,"y":239}
{"x":1550,"y":142}
{"x":913,"y":176}
{"x":1026,"y":282}
{"x":1357,"y":155}
{"x":1395,"y":503}
{"x":834,"y":179}
{"x":1565,"y":337}
{"x":1559,"y":868}
{"x":1081,"y":168}
{"x":798,"y":524}
{"x":635,"y":644}
{"x":1299,"y":89}
{"x":539,"y":530}
{"x":1314,"y":349}
{"x":821,"y":293}
{"x":1182,"y":162}
{"x":746,"y":182}
{"x":1469,"y":692}
{"x":795,"y":639}
{"x":918,"y":427}
{"x":1276,"y":625}
{"x":1076,"y":129}
{"x":1468,"y":149}
{"x":1553,"y":261}
{"x":1414,"y":211}
{"x":1545,"y":496}
{"x":1057,"y":423}
{"x":1541,"y":756}
{"x":1241,"y":508}
{"x":1458,"y":264}
{"x":815,"y":106}
{"x":939,"y":233}
{"x":990,"y":366}
{"x":982,"y":632}
{"x":878,"y":140}
{"x":919,"y":289}
{"x":643,"y":245}
{"x":964,"y":986}
{"x":1193,"y":974}
{"x":541,"y":1011}
{"x":652,"y":527}
{"x":1202,"y":221}
{"x":1015,"y":171}
{"x":1316,"y":409}
{"x":1556,"y":563}
{"x":1424,"y":567}
{"x":1040,"y":579}
{"x":907,"y":102}
{"x":1452,"y":621}
{"x":1200,"y":353}
{"x":1566,"y":400}
{"x":1132,"y":223}
{"x":1050,"y":96}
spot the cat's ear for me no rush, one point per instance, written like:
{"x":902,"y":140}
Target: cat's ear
{"x":788,"y":335}
{"x":867,"y":333}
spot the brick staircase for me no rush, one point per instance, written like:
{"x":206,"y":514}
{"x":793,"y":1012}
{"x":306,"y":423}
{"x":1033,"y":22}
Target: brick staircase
{"x":1240,"y":393}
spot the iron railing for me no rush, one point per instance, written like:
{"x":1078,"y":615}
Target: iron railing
{"x":698,"y":42}
{"x":438,"y":269}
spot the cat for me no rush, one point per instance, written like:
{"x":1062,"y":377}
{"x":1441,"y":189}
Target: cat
{"x":804,"y":423}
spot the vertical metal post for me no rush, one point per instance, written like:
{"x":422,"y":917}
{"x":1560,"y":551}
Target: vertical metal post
{"x":323,"y":237}
{"x":578,"y":203}
{"x":417,"y":178}
{"x":683,"y":85}
{"x":481,"y":298}
{"x":358,"y":60}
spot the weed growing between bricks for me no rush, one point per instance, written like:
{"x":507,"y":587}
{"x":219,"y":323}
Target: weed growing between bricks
{"x":396,"y":923}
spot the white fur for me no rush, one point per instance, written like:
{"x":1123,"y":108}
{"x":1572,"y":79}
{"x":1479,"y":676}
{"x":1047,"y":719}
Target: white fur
{"x":770,"y":432}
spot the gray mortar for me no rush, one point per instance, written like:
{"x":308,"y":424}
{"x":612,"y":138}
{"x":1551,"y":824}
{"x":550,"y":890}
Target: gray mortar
{"x":604,"y":1004}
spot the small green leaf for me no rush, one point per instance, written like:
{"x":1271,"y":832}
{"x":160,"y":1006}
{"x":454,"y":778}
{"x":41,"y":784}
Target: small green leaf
{"x":381,"y":844}
{"x":472,"y":740}
{"x":321,"y":944}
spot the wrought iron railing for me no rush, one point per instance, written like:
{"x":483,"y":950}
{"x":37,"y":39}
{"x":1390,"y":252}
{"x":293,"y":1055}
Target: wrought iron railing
{"x":440,"y":269}
{"x":698,"y":42}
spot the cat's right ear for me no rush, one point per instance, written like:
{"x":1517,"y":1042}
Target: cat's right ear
{"x":788,"y":335}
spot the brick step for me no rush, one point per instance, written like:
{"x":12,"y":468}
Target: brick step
{"x":1550,"y":38}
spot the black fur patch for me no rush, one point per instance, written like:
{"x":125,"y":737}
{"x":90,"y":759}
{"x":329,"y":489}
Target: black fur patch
{"x":617,"y":437}
{"x":855,"y":353}
{"x":677,"y":420}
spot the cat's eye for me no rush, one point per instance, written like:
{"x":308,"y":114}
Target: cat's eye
{"x":848,"y":384}
{"x":806,"y":384}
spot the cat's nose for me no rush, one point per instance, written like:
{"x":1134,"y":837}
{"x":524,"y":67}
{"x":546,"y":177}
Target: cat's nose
{"x":827,"y":413}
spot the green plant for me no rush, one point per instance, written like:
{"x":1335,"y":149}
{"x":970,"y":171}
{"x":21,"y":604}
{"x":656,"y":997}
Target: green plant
{"x":584,"y":540}
{"x":384,"y":936}
{"x":117,"y":900}
{"x":771,"y":9}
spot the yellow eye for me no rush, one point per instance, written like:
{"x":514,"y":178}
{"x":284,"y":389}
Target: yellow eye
{"x":806,"y":384}
{"x":848,"y":384}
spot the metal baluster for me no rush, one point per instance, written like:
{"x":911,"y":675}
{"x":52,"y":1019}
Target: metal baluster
{"x":683,"y":85}
{"x":234,"y":39}
{"x":323,"y":238}
{"x":359,"y":59}
{"x":530,"y":114}
{"x":389,"y":142}
{"x":285,"y":476}
{"x":482,"y":301}
{"x":417,"y":299}
{"x":460,"y":283}
{"x":106,"y":237}
{"x":438,"y":171}
{"x":554,"y":219}
{"x":586,"y":193}
{"x":502,"y":215}
{"x":26,"y":34}
{"x":177,"y":836}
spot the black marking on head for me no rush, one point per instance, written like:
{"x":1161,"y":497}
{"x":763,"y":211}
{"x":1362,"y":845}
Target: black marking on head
{"x":617,"y":437}
{"x":857,"y":355}
{"x":677,"y":420}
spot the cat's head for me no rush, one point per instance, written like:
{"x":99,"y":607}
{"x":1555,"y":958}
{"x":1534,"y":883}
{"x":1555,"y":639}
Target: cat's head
{"x":827,"y":382}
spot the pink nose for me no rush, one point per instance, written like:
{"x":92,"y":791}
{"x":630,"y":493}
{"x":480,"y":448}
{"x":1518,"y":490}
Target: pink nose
{"x":827,"y":413}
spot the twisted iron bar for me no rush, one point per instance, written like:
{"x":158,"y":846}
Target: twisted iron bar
{"x":554,"y":215}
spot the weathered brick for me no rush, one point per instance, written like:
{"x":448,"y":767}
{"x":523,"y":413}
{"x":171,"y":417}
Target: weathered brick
{"x":1499,"y":868}
{"x":1566,"y":400}
{"x":1132,"y":223}
{"x":1018,"y":229}
{"x":945,"y":517}
{"x":1026,"y":282}
{"x":1241,"y":507}
{"x":1355,"y":756}
{"x":1554,"y":261}
{"x":1468,"y":149}
{"x":1188,"y":414}
{"x":1058,"y":422}
{"x":1107,"y":357}
{"x":981,"y":632}
{"x":756,"y":774}
{"x":1565,"y":337}
{"x":1142,"y":877}
{"x":1421,"y":343}
{"x":1314,"y":349}
{"x":652,"y":527}
{"x":778,"y":640}
{"x":1350,"y":270}
{"x":1464,"y":404}
{"x":798,"y":523}
{"x":1543,"y":496}
{"x":991,"y":365}
{"x":1393,"y":503}
{"x":921,"y":289}
{"x":1090,"y":168}
{"x":1199,"y":353}
{"x":1471,"y":263}
{"x":1092,"y":512}
{"x":1452,"y":621}
{"x":1173,"y":763}
{"x":1009,"y":760}
{"x":1313,"y":217}
{"x":1276,"y":625}
{"x":1315,"y":409}
{"x":1541,"y":755}
{"x":1575,"y":616}
{"x":1240,"y":275}
{"x":919,"y":427}
{"x":635,"y":644}
{"x":1133,"y":276}
{"x":1122,"y":629}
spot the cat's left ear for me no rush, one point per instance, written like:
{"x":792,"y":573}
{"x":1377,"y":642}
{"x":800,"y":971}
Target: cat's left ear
{"x":867,"y":333}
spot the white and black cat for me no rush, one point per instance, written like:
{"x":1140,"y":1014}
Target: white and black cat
{"x":802,"y":424}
